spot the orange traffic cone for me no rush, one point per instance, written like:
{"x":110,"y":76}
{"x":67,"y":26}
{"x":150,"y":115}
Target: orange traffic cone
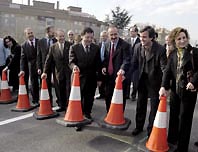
{"x":45,"y":109}
{"x":74,"y":116}
{"x":23,"y":103}
{"x":115,"y":117}
{"x":157,"y":141}
{"x":6,"y":96}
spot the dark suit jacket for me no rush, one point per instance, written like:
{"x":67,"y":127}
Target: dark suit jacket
{"x":60,"y":61}
{"x":133,"y":46}
{"x":89,"y":64}
{"x":156,"y":63}
{"x":171,"y":69}
{"x":133,"y":76}
{"x":42,"y":51}
{"x":29,"y":57}
{"x":121,"y":57}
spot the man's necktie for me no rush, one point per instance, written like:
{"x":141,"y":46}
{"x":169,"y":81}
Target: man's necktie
{"x":87,"y":49}
{"x":102,"y":50}
{"x":132,"y":41}
{"x":49,"y":42}
{"x":110,"y":67}
{"x":32,"y":44}
{"x":61,"y":48}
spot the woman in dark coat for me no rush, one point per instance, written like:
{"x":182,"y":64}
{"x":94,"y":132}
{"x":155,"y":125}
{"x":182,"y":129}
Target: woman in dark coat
{"x":182,"y":69}
{"x":13,"y":61}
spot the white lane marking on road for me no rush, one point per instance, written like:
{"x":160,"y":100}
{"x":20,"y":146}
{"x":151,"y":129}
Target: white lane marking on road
{"x":16,"y":119}
{"x":19,"y":118}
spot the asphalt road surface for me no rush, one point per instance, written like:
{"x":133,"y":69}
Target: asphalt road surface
{"x":21,"y":132}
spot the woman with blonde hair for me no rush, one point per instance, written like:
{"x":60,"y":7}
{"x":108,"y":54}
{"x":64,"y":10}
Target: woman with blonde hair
{"x":182,"y":69}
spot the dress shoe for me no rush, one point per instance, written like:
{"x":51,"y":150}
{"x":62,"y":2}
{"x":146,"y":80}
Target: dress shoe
{"x":78,"y":128}
{"x":88,"y":116}
{"x":60,"y":110}
{"x":136,"y":131}
{"x":35,"y":103}
{"x":196,"y":143}
{"x":99,"y":96}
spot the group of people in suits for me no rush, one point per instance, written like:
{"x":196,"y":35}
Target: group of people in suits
{"x":140,"y":59}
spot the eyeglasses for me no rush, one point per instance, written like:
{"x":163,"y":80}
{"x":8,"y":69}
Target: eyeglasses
{"x":71,"y":34}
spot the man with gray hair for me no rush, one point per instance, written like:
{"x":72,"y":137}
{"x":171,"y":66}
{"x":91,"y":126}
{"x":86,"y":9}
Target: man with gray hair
{"x":59,"y":56}
{"x":70,"y":35}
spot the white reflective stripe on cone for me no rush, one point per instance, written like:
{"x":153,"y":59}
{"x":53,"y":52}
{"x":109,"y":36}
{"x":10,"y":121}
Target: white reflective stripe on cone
{"x":160,"y":120}
{"x":117,"y":97}
{"x":4,"y":85}
{"x":22,"y":90}
{"x":75,"y":93}
{"x":44,"y":94}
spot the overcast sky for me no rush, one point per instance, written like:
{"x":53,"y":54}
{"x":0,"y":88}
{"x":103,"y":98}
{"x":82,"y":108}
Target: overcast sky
{"x":163,"y":13}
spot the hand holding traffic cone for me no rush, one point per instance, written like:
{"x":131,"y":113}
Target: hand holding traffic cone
{"x":115,"y":117}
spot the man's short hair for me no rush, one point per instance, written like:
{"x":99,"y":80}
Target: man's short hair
{"x":86,"y":30}
{"x":150,"y":31}
{"x":47,"y":29}
{"x":135,"y":29}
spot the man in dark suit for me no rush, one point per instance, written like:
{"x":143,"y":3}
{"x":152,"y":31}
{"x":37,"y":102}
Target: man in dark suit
{"x":117,"y":60}
{"x":42,"y":51}
{"x":150,"y":60}
{"x":104,"y":39}
{"x":133,"y":40}
{"x":85,"y":58}
{"x":28,"y":63}
{"x":59,"y":57}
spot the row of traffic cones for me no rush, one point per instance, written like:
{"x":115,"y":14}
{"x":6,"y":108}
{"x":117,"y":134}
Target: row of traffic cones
{"x":157,"y":141}
{"x":23,"y":103}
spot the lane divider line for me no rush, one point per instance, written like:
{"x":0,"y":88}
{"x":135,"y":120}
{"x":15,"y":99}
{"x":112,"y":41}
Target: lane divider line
{"x":19,"y":118}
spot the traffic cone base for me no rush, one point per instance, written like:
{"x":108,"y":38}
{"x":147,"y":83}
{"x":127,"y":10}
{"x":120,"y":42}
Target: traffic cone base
{"x":65,"y":123}
{"x":42,"y":117}
{"x":124,"y":126}
{"x":24,"y":109}
{"x":12,"y":100}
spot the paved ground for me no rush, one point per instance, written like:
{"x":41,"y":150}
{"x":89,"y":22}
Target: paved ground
{"x":20,"y":132}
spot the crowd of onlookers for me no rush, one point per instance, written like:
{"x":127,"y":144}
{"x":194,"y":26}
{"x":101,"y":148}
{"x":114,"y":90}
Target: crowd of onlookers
{"x":151,"y":69}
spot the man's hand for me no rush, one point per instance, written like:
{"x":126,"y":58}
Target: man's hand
{"x":190,"y":87}
{"x":5,"y":69}
{"x":21,"y":73}
{"x":44,"y":76}
{"x":39,"y":71}
{"x":76,"y":69}
{"x":104,"y":71}
{"x":122,"y":72}
{"x":163,"y":92}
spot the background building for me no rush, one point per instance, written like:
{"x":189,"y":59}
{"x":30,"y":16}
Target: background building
{"x":15,"y":17}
